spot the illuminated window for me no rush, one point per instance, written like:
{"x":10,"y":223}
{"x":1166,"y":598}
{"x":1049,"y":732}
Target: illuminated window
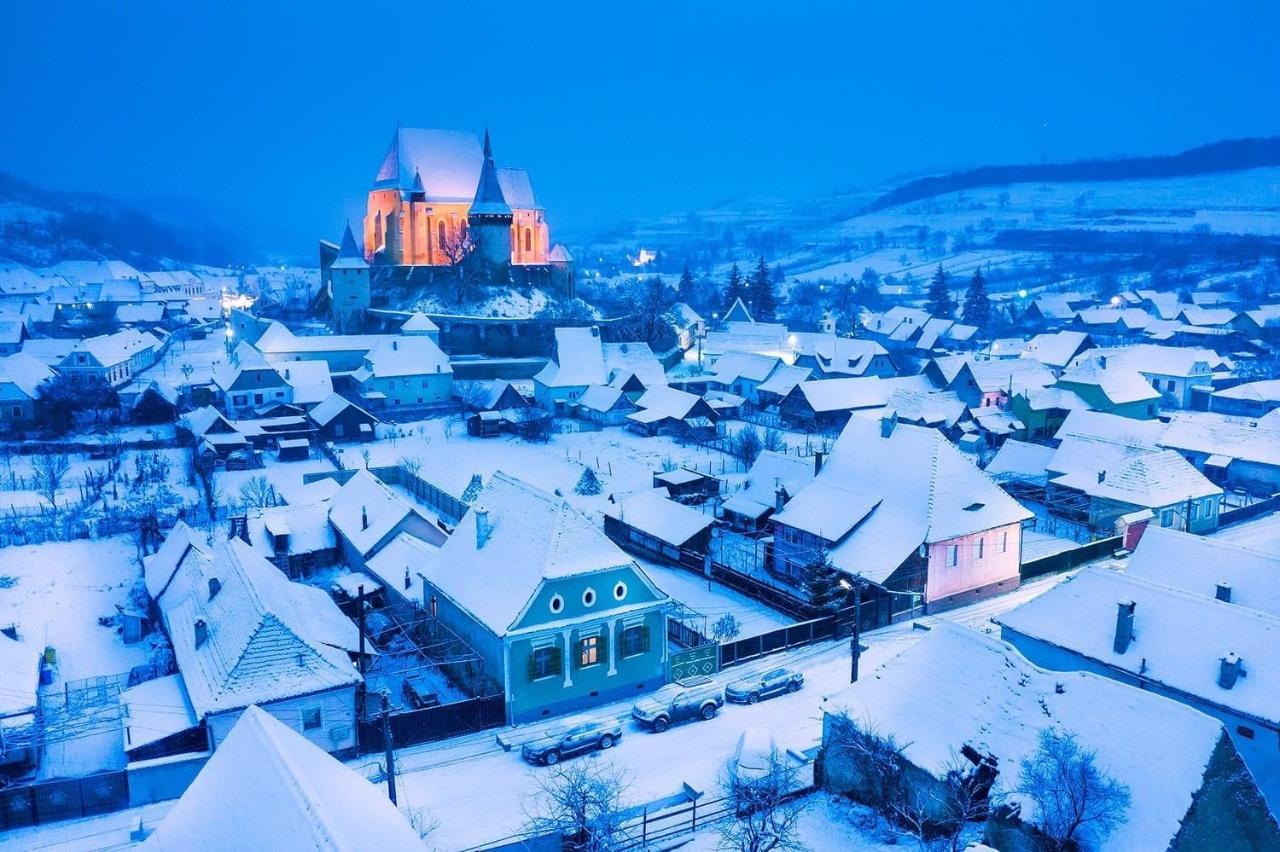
{"x":440,"y":230}
{"x":589,"y":651}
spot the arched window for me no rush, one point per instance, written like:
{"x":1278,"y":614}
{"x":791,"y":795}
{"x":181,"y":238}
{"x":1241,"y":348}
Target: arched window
{"x":462,"y":230}
{"x":528,"y":239}
{"x":440,"y":230}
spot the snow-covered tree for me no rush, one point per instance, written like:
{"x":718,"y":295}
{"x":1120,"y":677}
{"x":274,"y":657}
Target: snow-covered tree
{"x":1077,"y":804}
{"x":588,"y":483}
{"x":763,"y":301}
{"x":726,"y":628}
{"x":766,"y":813}
{"x":822,"y":583}
{"x":735,"y":289}
{"x":685,"y":288}
{"x":582,"y":802}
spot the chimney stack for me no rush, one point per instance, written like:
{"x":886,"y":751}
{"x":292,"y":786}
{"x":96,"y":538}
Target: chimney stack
{"x":1223,"y":592}
{"x":1102,"y":476}
{"x":1124,"y":626}
{"x":202,"y":632}
{"x":1230,"y":670}
{"x":818,"y":458}
{"x":364,"y":517}
{"x":888,"y":421}
{"x":779,"y":499}
{"x":215,"y":586}
{"x":483,"y":528}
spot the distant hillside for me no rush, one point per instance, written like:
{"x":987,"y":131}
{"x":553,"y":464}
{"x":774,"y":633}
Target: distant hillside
{"x":1227,"y":156}
{"x":39,"y":227}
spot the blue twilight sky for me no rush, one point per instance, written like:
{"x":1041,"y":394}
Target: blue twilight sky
{"x":276,"y":115}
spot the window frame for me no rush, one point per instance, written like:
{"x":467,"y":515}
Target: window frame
{"x":307,"y":712}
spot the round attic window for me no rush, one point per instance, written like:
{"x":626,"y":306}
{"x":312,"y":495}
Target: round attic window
{"x":620,"y":590}
{"x":589,"y":597}
{"x":557,"y":603}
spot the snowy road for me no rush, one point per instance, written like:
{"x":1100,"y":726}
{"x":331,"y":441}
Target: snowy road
{"x":480,"y":793}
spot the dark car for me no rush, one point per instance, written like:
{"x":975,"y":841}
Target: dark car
{"x":548,"y":750}
{"x":692,"y":698}
{"x":749,"y":690}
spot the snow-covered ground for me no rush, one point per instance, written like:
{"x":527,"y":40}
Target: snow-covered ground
{"x":692,"y":591}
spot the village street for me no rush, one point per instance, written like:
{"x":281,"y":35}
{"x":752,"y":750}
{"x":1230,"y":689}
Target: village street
{"x":480,"y":793}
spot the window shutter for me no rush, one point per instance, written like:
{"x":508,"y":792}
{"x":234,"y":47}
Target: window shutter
{"x":602,"y":649}
{"x":644,"y":639}
{"x":533,"y":666}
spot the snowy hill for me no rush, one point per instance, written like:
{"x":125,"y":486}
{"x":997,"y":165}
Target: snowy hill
{"x":40,"y":227}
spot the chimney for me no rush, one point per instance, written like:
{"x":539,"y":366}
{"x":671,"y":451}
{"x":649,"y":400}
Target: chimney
{"x":1231,"y":669}
{"x":215,"y":586}
{"x":1102,"y":476}
{"x":888,"y":421}
{"x":202,"y":632}
{"x":364,"y":518}
{"x":1124,"y":626}
{"x":779,"y":499}
{"x":408,"y":581}
{"x":1102,"y":361}
{"x":1223,"y":592}
{"x":818,"y":458}
{"x":483,"y":528}
{"x":395,"y":345}
{"x":595,"y":331}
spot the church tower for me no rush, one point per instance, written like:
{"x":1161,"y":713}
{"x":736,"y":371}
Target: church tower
{"x":349,"y":285}
{"x":489,"y":219}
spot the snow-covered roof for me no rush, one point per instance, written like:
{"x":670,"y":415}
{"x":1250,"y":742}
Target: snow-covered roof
{"x":156,"y":709}
{"x":25,"y":373}
{"x":1196,"y":315}
{"x":306,"y":525}
{"x":1134,"y":318}
{"x":1199,"y":564}
{"x":1010,"y":376}
{"x":144,"y":313}
{"x":94,"y":271}
{"x":910,"y":487}
{"x":112,"y":349}
{"x":783,"y":379}
{"x":769,"y":472}
{"x":533,"y":536}
{"x":1267,"y":390}
{"x":160,"y":568}
{"x":20,"y":674}
{"x":1045,"y":399}
{"x":1055,"y":349}
{"x":267,"y":638}
{"x":365,"y":509}
{"x":1179,"y":637}
{"x":330,"y":407}
{"x":446,"y":165}
{"x":1111,"y":427}
{"x":861,"y":392}
{"x":1020,"y":461}
{"x":350,"y":255}
{"x":603,"y":398}
{"x":662,"y":401}
{"x":1154,"y":360}
{"x":310,"y":380}
{"x":652,"y":513}
{"x":419,"y":323}
{"x":733,"y":366}
{"x":1231,"y":437}
{"x":269,"y":787}
{"x":838,"y":355}
{"x":406,"y":356}
{"x":1119,"y":384}
{"x":762,"y":338}
{"x":579,"y":359}
{"x":958,"y":687}
{"x":622,"y":360}
{"x":1127,"y":473}
{"x":405,"y":556}
{"x":923,"y":407}
{"x":489,"y":199}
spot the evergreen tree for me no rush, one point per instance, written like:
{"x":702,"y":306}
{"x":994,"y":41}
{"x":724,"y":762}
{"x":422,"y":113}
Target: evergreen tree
{"x":684,"y":290}
{"x":588,"y":483}
{"x":867,"y":292}
{"x":822,"y":583}
{"x":763,"y":302}
{"x":940,"y":303}
{"x":977,"y":306}
{"x":737,"y":288}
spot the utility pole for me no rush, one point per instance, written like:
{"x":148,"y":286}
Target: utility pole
{"x":386,"y":741}
{"x":855,"y":643}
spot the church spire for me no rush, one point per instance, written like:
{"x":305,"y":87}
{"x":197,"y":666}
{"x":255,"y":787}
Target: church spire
{"x":349,"y":247}
{"x":489,"y":198}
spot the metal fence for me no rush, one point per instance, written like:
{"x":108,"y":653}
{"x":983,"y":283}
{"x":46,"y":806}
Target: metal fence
{"x":63,"y":798}
{"x":782,"y":639}
{"x":1245,"y":513}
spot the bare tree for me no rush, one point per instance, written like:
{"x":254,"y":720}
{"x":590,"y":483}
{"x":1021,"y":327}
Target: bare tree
{"x":767,"y":811}
{"x":258,"y":493}
{"x":877,"y":763}
{"x":458,"y":246}
{"x":49,"y":471}
{"x":472,"y":395}
{"x":938,"y":816}
{"x":1076,"y":802}
{"x":582,"y":802}
{"x":726,"y":628}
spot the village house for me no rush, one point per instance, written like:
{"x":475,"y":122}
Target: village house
{"x":20,"y":663}
{"x":987,"y":384}
{"x":900,"y":507}
{"x":1111,"y":390}
{"x":826,"y":404}
{"x":581,"y":359}
{"x":243,"y":634}
{"x":1251,"y":399}
{"x":741,"y":373}
{"x":367,"y":514}
{"x":665,"y":409}
{"x":338,"y":419}
{"x":269,"y":786}
{"x":774,"y":479}
{"x":20,"y":379}
{"x":1207,"y":565}
{"x":833,"y":356}
{"x":112,"y":358}
{"x":604,"y":404}
{"x":579,"y":623}
{"x":1042,"y":411}
{"x":1057,"y":349}
{"x":658,"y":527}
{"x":1240,"y":454}
{"x":248,"y":382}
{"x":1173,"y":371}
{"x":405,"y":372}
{"x":1210,"y":654}
{"x":987,"y":705}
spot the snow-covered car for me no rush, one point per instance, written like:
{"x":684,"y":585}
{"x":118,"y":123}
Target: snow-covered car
{"x":691,"y":698}
{"x":749,"y":690}
{"x":549,"y":749}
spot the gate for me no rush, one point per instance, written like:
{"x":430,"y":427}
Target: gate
{"x":63,"y":798}
{"x":702,"y":660}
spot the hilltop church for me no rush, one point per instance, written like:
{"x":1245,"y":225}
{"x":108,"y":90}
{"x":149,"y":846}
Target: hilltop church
{"x":440,"y":200}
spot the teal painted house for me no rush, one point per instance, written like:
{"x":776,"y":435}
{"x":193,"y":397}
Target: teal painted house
{"x":562,"y":618}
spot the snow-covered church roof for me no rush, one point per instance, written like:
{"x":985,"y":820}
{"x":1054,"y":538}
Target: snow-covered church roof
{"x":445,"y":165}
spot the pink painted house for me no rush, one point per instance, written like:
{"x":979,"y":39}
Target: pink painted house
{"x":901,"y":508}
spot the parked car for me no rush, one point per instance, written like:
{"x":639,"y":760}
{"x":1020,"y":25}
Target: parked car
{"x":691,"y":698}
{"x":749,"y":690}
{"x":549,"y":749}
